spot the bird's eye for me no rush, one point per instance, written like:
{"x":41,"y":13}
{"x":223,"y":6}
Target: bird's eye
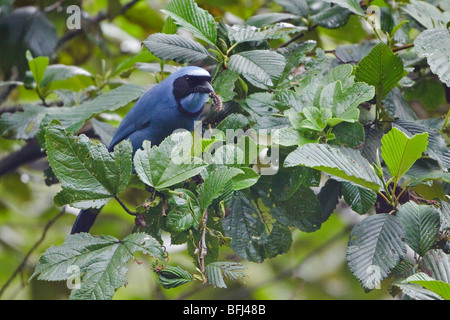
{"x":187,"y":77}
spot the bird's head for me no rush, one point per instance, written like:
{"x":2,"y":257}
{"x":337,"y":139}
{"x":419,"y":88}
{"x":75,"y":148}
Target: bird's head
{"x":191,"y":89}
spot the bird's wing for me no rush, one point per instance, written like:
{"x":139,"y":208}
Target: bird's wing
{"x":136,"y":119}
{"x":128,"y":126}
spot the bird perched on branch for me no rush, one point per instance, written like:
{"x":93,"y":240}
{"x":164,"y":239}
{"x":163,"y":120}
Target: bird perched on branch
{"x":175,"y":103}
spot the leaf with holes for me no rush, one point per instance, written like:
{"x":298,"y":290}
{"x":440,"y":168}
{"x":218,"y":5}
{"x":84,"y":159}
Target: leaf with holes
{"x":169,"y":163}
{"x":89,"y":174}
{"x":214,"y":185}
{"x":101,"y":262}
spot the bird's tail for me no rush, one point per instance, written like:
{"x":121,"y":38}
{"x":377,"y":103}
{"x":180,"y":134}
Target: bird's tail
{"x":85,"y":220}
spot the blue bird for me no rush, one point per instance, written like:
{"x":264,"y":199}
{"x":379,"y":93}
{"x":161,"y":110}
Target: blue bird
{"x":175,"y":103}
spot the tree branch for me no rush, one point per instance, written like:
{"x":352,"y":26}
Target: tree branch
{"x":96,"y":20}
{"x":406,"y":46}
{"x":202,"y":244}
{"x":35,"y":246}
{"x":125,"y":207}
{"x":29,"y":153}
{"x":298,"y":36}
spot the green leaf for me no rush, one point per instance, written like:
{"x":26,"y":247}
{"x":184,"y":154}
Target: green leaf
{"x":214,"y":185}
{"x":194,"y":19}
{"x":217,"y":271}
{"x":434,"y":44}
{"x":299,"y":7}
{"x":250,"y":238}
{"x":260,"y":67}
{"x":184,"y":213}
{"x":174,"y":47}
{"x":352,"y":5}
{"x":169,"y":163}
{"x":60,"y":72}
{"x":315,"y":118}
{"x":25,"y":28}
{"x":397,"y":107}
{"x":89,"y":174}
{"x":101,"y":262}
{"x":436,"y":149}
{"x":37,"y":66}
{"x":349,"y":134}
{"x":358,"y":198}
{"x":73,"y":118}
{"x":172,"y":277}
{"x":104,"y":130}
{"x":421,"y":224}
{"x":444,"y":211}
{"x":439,"y":287}
{"x":436,"y":263}
{"x":339,"y":73}
{"x":245,"y":180}
{"x":400,"y":152}
{"x":427,"y":14}
{"x":430,"y":176}
{"x":341,"y":162}
{"x":143,"y":56}
{"x":374,"y":249}
{"x":296,"y":52}
{"x":289,"y":137}
{"x":287,"y":181}
{"x":224,"y":84}
{"x":22,"y":125}
{"x":330,"y":16}
{"x":429,"y":91}
{"x":416,"y":292}
{"x":380,"y":68}
{"x":170,"y":27}
{"x":302,"y":211}
{"x":269,"y":18}
{"x":241,"y":34}
{"x":345,"y":101}
{"x":329,"y":196}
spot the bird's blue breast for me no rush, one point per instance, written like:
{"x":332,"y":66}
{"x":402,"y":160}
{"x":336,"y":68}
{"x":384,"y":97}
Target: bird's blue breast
{"x":194,"y":102}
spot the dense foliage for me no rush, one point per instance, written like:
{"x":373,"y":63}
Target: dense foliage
{"x":364,"y":124}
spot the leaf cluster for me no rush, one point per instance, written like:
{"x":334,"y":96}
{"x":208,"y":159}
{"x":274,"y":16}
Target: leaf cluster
{"x":337,"y":129}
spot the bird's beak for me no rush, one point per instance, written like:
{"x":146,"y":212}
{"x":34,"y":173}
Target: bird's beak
{"x":204,"y":87}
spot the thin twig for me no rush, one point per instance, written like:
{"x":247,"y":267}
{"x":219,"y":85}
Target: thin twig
{"x":53,"y":6}
{"x":125,"y":207}
{"x":406,"y":46}
{"x":298,"y":36}
{"x":35,"y":246}
{"x":96,"y":20}
{"x":202,"y":245}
